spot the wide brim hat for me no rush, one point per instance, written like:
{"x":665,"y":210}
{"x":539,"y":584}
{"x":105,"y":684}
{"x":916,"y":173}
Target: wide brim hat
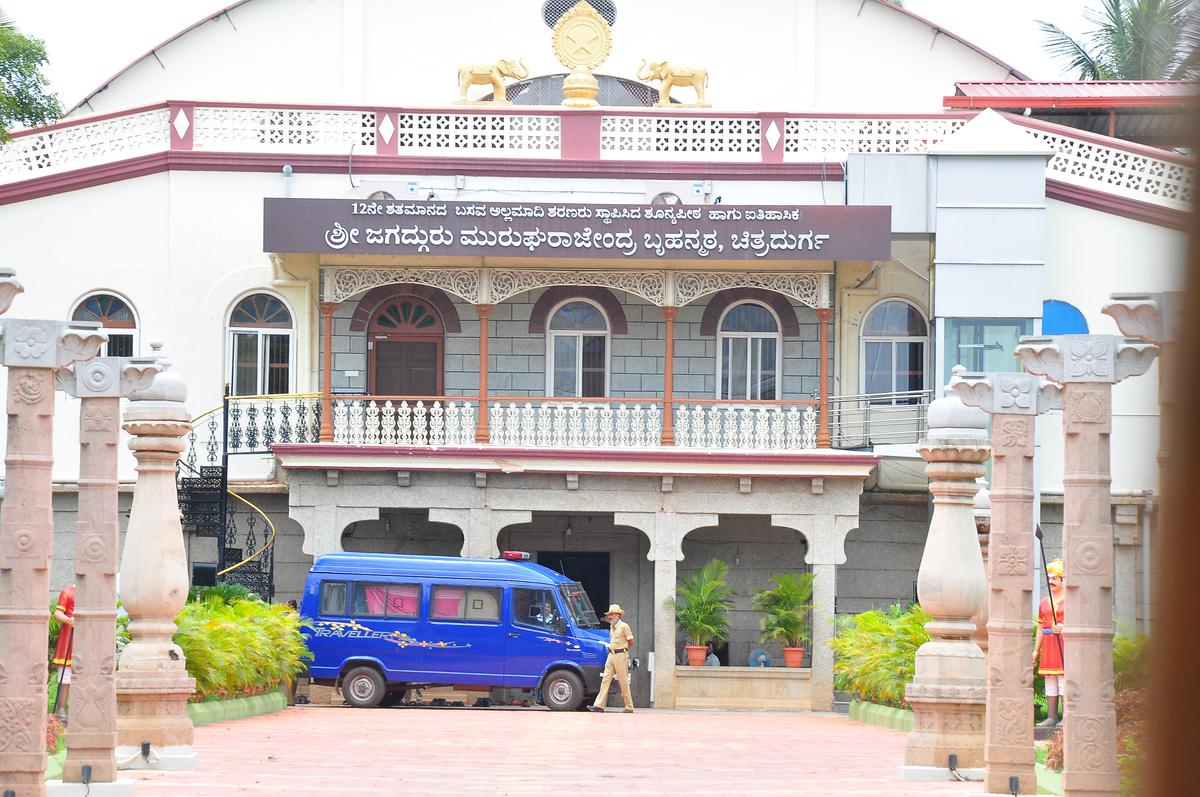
{"x":615,"y":609}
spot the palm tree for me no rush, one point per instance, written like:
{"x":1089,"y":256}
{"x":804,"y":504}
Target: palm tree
{"x":1133,"y":40}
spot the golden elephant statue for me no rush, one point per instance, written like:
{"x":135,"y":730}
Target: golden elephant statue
{"x":674,"y":75}
{"x":493,"y":73}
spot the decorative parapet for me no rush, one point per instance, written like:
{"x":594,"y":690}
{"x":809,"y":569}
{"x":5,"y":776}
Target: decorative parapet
{"x":1081,"y":159}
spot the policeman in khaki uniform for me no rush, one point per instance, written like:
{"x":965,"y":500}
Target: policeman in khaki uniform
{"x":617,"y":665}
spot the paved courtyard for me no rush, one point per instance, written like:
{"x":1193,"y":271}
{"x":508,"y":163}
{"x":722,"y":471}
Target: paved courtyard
{"x":321,"y":750}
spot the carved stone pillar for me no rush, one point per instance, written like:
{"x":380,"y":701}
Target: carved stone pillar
{"x":152,"y":681}
{"x":1014,"y":401}
{"x":1087,"y":366}
{"x":32,"y":350}
{"x":92,"y":719}
{"x":948,"y":690}
{"x":982,"y":508}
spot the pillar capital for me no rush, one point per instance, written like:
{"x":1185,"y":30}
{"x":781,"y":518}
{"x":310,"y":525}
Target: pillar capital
{"x":1006,"y":393}
{"x":1102,"y":359}
{"x":48,"y":344}
{"x":1149,"y":317}
{"x":10,"y":286}
{"x":108,"y":377}
{"x":669,"y":313}
{"x":484,"y":310}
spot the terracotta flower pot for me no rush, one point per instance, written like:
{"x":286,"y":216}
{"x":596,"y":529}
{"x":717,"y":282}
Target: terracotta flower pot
{"x":696,"y":654}
{"x":793,"y":657}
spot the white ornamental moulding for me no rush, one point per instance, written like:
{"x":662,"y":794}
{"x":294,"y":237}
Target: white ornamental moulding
{"x":344,"y":283}
{"x":804,"y":288}
{"x":1009,"y":393}
{"x":1105,"y":359}
{"x":650,"y":285}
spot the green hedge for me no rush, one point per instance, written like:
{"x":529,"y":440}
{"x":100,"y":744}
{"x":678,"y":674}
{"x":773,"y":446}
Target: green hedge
{"x":236,"y":644}
{"x":876,"y":653}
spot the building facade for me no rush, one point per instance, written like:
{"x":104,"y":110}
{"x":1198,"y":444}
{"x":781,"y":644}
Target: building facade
{"x":410,"y":371}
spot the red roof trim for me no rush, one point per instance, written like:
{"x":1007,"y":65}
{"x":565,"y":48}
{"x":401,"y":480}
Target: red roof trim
{"x":1104,"y":141}
{"x":1118,"y":205}
{"x":1132,"y":101}
{"x":1012,"y":70}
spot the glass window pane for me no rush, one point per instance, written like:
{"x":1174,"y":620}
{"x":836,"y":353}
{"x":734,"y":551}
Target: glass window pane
{"x":260,"y":310}
{"x":877,"y":366}
{"x":984,"y":344}
{"x":447,"y":603}
{"x":763,"y":380}
{"x":894,"y":319}
{"x":565,"y":361}
{"x":370,"y":600}
{"x":403,"y":600}
{"x":733,"y":368}
{"x":593,"y":366}
{"x":482,"y":603}
{"x":749,"y":318}
{"x":910,"y":365}
{"x":333,"y":598}
{"x":278,"y":362}
{"x":244,"y":379}
{"x":119,"y":345}
{"x":534,"y":608}
{"x":579,"y":316}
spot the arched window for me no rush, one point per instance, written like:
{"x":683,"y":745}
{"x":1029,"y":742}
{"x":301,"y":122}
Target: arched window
{"x":577,"y":350}
{"x":895,"y":341}
{"x":115,"y":317}
{"x":748,"y":351}
{"x":260,"y":346}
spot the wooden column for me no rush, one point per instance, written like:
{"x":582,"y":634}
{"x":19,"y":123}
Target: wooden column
{"x":327,"y":309}
{"x":824,"y":314}
{"x":668,"y":430}
{"x":482,"y":432}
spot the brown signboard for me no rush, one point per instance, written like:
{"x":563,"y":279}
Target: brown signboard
{"x":566,"y":231}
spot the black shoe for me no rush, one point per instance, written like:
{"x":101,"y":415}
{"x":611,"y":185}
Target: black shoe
{"x":595,"y":708}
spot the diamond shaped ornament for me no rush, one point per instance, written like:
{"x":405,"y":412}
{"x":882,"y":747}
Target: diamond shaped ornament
{"x":181,"y":123}
{"x":386,"y":128}
{"x":773,"y":134}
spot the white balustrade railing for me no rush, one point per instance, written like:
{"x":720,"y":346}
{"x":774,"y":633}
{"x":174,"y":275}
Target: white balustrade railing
{"x":1081,"y":158}
{"x":404,"y":422}
{"x":753,"y":427}
{"x":576,"y":424}
{"x":64,"y":148}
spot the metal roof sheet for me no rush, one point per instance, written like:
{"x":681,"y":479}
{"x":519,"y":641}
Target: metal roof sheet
{"x":1088,"y":89}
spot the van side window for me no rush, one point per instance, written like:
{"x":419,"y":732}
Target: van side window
{"x":465,"y":603}
{"x":387,"y":600}
{"x":534,"y":608}
{"x":333,"y":598}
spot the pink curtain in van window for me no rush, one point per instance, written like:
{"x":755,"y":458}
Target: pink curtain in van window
{"x":376,"y":599}
{"x":404,"y":600}
{"x":448,"y":602}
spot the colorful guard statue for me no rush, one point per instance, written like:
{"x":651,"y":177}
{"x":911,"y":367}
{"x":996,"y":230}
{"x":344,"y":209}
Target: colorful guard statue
{"x":1048,"y":648}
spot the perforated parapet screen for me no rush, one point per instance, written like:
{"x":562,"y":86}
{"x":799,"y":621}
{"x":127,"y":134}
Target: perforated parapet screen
{"x":552,"y":10}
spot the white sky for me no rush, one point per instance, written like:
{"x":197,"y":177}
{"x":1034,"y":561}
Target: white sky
{"x":89,"y":40}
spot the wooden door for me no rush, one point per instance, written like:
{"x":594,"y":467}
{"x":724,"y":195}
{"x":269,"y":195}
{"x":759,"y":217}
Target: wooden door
{"x":405,"y":341}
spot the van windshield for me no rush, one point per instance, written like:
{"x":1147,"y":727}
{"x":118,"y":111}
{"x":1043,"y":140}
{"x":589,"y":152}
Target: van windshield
{"x":578,"y":605}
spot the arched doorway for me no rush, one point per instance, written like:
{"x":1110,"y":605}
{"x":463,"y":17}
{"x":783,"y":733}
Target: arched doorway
{"x":405,"y":339}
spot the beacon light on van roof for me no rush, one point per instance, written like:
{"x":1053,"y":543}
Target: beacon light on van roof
{"x":516,"y":556}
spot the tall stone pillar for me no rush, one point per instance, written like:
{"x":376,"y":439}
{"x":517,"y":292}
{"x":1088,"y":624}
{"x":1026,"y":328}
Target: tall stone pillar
{"x":948,"y":690}
{"x":1014,"y":401}
{"x":32,"y":350}
{"x":1087,"y":366}
{"x":153,"y":686}
{"x":1155,"y":318}
{"x":92,"y":721}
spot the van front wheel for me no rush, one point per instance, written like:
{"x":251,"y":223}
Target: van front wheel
{"x":562,"y":691}
{"x":363,"y":687}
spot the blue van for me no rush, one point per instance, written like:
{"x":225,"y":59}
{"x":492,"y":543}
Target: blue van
{"x":386,"y":623}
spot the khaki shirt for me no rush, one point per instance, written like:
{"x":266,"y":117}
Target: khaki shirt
{"x":620,"y":635}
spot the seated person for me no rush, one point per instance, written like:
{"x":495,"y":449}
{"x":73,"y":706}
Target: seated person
{"x":710,"y":657}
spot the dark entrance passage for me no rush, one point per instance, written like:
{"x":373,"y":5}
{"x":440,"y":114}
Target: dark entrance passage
{"x":589,"y":569}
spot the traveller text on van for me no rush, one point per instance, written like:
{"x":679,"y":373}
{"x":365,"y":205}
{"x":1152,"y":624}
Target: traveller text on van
{"x":383,"y":624}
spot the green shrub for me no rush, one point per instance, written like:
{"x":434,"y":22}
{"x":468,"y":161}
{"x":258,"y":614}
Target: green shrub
{"x":876,"y":653}
{"x":240,"y":646}
{"x":702,"y":604}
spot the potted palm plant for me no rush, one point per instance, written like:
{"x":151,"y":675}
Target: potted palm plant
{"x":785,"y":613}
{"x":702,"y":604}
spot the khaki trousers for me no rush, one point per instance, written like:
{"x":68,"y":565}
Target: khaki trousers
{"x":616,"y":666}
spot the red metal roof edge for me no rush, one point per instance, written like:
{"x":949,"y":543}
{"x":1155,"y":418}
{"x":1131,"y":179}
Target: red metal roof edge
{"x":974,"y":102}
{"x":1104,"y":141}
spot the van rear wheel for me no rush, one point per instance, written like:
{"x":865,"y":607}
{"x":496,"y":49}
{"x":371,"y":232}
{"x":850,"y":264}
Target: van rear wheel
{"x":562,"y":691}
{"x":363,"y":687}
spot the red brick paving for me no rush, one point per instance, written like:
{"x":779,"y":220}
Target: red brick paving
{"x":321,"y":750}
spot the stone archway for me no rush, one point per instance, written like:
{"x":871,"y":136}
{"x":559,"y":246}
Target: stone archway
{"x":403,"y":531}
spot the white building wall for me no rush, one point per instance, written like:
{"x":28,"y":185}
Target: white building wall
{"x":817,"y":55}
